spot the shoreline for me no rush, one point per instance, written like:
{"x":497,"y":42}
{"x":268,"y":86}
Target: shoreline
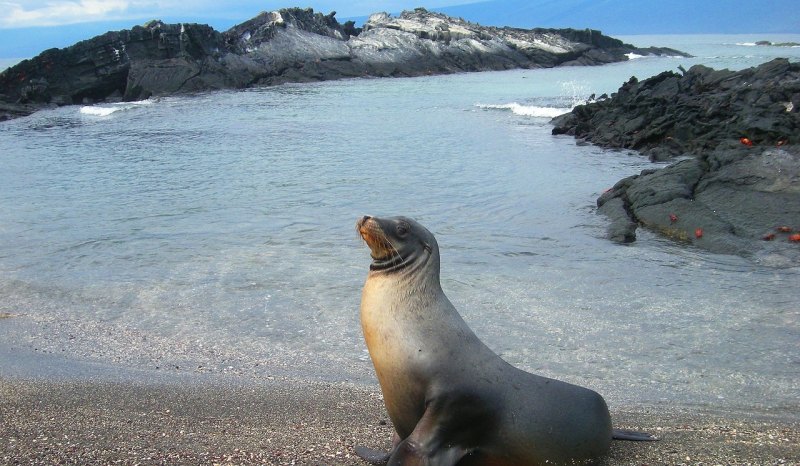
{"x":59,"y":407}
{"x":29,"y":360}
{"x":222,"y":420}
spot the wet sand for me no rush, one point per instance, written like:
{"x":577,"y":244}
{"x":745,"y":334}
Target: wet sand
{"x":227,"y":421}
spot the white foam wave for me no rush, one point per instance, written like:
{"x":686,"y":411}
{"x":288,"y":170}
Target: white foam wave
{"x":98,"y":111}
{"x":106,"y":110}
{"x":527,"y":110}
{"x":746,"y":44}
{"x":633,"y":56}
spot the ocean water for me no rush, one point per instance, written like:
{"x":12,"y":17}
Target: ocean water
{"x":215,"y":233}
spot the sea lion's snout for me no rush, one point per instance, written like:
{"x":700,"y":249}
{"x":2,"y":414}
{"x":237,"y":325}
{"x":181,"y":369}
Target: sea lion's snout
{"x":360,"y":223}
{"x":372,"y":234}
{"x":362,"y":228}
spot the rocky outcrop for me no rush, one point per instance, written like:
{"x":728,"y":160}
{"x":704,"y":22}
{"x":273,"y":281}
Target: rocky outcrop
{"x":777,"y":44}
{"x":289,"y":45}
{"x":736,"y":187}
{"x":119,"y":65}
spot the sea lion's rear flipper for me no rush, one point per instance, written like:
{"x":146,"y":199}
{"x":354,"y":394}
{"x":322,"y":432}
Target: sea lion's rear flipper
{"x":622,"y":434}
{"x":372,"y":456}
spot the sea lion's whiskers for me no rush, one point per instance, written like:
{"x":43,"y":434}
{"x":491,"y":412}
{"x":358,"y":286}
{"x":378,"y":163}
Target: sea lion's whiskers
{"x":374,"y":236}
{"x":387,"y":245}
{"x":395,"y":251}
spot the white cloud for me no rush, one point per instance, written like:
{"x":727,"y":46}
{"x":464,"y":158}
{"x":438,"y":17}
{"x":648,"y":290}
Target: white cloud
{"x":23,"y":14}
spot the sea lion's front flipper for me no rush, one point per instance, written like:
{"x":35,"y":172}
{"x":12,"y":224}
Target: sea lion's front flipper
{"x":409,"y":453}
{"x":434,"y":441}
{"x":377,"y":457}
{"x":413,"y":454}
{"x":372,"y":456}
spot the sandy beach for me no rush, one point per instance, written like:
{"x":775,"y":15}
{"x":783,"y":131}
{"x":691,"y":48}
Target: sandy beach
{"x":218,"y":421}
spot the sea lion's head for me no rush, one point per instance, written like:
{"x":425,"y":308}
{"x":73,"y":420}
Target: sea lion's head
{"x":396,"y":243}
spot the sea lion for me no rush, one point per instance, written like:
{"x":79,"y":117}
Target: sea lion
{"x":451,"y":399}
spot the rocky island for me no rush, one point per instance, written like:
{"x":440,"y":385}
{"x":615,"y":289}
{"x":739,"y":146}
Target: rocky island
{"x":768,"y":43}
{"x":289,"y":45}
{"x":735,"y":187}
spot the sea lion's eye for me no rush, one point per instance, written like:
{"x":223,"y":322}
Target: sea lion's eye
{"x":402,"y":229}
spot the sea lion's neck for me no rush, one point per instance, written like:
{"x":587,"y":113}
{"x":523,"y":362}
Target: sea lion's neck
{"x":400,"y":289}
{"x":394,"y":307}
{"x":419,"y":261}
{"x":392,"y":299}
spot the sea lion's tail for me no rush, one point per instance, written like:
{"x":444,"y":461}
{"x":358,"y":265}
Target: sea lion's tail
{"x":622,"y":434}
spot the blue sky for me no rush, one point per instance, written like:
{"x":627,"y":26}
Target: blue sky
{"x":28,"y":13}
{"x":28,"y":27}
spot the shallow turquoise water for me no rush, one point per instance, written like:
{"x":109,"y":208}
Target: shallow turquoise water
{"x":215,"y":232}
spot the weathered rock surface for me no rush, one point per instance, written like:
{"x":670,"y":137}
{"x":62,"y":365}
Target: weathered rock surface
{"x":736,"y":189}
{"x":289,"y":45}
{"x":768,"y":43}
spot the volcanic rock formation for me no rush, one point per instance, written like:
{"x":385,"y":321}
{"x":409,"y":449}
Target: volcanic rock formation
{"x":289,"y":45}
{"x":736,"y":189}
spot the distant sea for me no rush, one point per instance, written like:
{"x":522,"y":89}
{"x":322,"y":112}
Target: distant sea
{"x":214,"y":233}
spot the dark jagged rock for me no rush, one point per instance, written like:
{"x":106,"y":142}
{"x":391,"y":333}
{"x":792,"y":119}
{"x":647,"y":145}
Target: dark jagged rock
{"x":118,"y":65}
{"x":740,"y":175}
{"x":289,"y":45}
{"x":671,"y":114}
{"x":777,"y":44}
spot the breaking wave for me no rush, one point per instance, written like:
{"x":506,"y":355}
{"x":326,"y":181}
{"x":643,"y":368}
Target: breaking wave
{"x":108,"y":109}
{"x":571,"y":94}
{"x":98,"y":111}
{"x":527,"y":110}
